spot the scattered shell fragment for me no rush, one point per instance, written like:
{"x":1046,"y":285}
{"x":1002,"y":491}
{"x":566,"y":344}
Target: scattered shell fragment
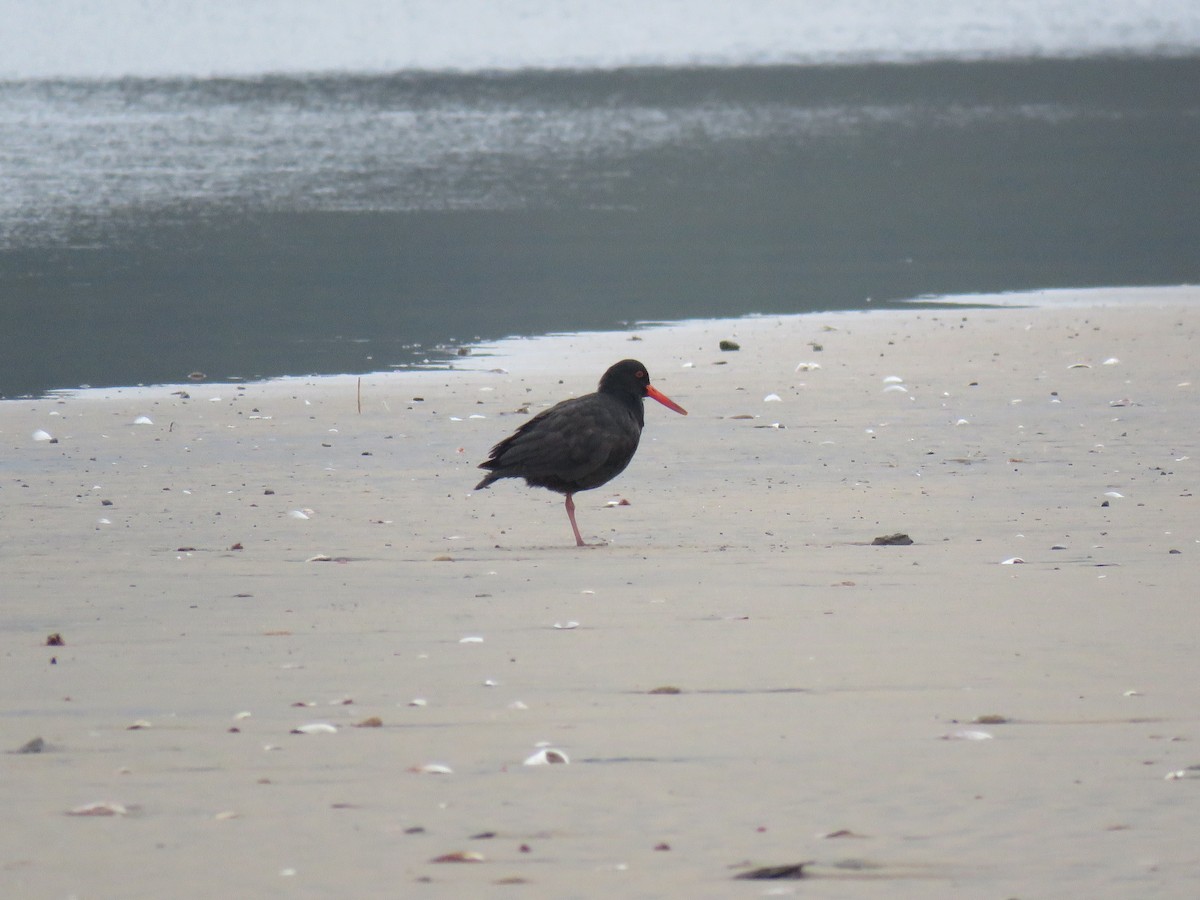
{"x":966,"y":734}
{"x":566,"y":626}
{"x":139,"y":725}
{"x":102,"y":808}
{"x":807,"y":366}
{"x":471,"y":639}
{"x":300,"y":513}
{"x":840,"y":833}
{"x":143,"y":420}
{"x":895,"y":389}
{"x":316,"y":728}
{"x":1114,"y":494}
{"x":226,"y":815}
{"x":1111,"y":361}
{"x":774,"y":873}
{"x":460,"y":856}
{"x":370,"y":722}
{"x":432,"y":769}
{"x":320,"y":557}
{"x":665,"y":689}
{"x":44,"y":436}
{"x":1012,"y":561}
{"x":990,"y":719}
{"x":547,"y":756}
{"x":1079,"y":366}
{"x":418,"y":701}
{"x":893,"y":379}
{"x":772,"y":398}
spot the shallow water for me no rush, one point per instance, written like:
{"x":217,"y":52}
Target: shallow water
{"x":286,"y":225}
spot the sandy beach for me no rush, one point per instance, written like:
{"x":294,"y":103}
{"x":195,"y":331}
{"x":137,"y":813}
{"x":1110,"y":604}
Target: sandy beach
{"x":1006,"y":707}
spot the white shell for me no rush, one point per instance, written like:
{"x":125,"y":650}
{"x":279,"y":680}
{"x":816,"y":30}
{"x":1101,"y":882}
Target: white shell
{"x":316,"y":728}
{"x":41,"y":435}
{"x":433,"y":769}
{"x":772,"y":398}
{"x":547,"y":756}
{"x":893,"y":379}
{"x":142,"y":420}
{"x":1012,"y":561}
{"x":966,"y":734}
{"x":807,"y":366}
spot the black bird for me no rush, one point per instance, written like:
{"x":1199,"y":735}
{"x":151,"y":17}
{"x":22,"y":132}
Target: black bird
{"x":581,"y":443}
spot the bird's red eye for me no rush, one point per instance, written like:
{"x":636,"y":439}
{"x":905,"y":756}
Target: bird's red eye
{"x":640,"y":374}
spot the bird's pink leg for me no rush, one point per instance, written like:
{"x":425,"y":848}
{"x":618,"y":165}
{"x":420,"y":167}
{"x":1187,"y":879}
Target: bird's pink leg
{"x":570,"y":504}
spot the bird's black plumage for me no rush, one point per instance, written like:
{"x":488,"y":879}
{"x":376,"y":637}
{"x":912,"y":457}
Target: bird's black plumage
{"x":582,"y":443}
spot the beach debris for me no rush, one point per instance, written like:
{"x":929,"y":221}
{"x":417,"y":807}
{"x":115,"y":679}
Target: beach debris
{"x":1012,"y":561}
{"x":665,"y":689}
{"x":961,"y":422}
{"x":840,"y":833}
{"x":899,"y":539}
{"x":566,"y":626}
{"x":139,"y":725}
{"x":966,"y":734}
{"x":471,"y":639}
{"x":100,"y":808}
{"x":33,"y":745}
{"x":547,"y":756}
{"x":143,"y":420}
{"x":895,"y":389}
{"x":54,"y":639}
{"x":774,"y":873}
{"x":300,"y":514}
{"x":370,"y":722}
{"x":990,"y":719}
{"x":1079,"y":366}
{"x":419,"y":702}
{"x":617,"y":501}
{"x":443,"y":558}
{"x":1189,"y":772}
{"x":459,"y":856}
{"x":43,"y":436}
{"x":807,"y":366}
{"x":432,"y":769}
{"x":316,"y":728}
{"x":729,"y":345}
{"x":1115,"y":495}
{"x":772,"y":398}
{"x":1111,"y":361}
{"x":196,"y":376}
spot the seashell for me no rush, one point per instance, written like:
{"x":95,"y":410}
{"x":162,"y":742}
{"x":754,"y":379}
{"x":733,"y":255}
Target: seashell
{"x":242,"y":715}
{"x":966,"y":734}
{"x":518,"y":705}
{"x":895,"y":389}
{"x":316,"y":728}
{"x":547,"y":756}
{"x":1111,"y":361}
{"x":471,"y":639}
{"x":566,"y":626}
{"x":962,"y":422}
{"x":893,"y":379}
{"x":459,"y":856}
{"x":1012,"y":561}
{"x":41,"y":435}
{"x":432,"y":769}
{"x":139,"y":725}
{"x":418,"y":701}
{"x":1113,"y":494}
{"x":772,"y":398}
{"x":300,"y":513}
{"x":143,"y":420}
{"x":1079,"y":366}
{"x":226,"y":815}
{"x":102,"y":808}
{"x":320,"y":557}
{"x":1171,"y":776}
{"x":807,"y":366}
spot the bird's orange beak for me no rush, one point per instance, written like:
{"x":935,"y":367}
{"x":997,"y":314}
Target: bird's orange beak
{"x":666,"y":401}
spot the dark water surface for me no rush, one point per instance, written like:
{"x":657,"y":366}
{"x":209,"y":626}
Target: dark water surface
{"x":291,"y":226}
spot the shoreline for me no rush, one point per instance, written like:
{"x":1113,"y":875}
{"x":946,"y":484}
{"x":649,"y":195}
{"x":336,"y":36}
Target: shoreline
{"x":738,"y":677}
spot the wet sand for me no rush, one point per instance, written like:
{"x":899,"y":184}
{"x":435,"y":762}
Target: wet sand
{"x":738,"y":676}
